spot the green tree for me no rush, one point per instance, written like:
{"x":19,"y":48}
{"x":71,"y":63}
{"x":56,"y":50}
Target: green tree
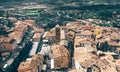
{"x":7,"y":23}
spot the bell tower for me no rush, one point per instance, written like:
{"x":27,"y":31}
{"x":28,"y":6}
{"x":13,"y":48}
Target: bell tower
{"x":57,"y":30}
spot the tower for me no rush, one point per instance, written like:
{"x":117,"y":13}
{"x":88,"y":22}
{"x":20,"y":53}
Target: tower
{"x":57,"y":31}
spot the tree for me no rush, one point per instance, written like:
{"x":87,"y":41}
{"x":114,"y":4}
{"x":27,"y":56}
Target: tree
{"x":2,"y":30}
{"x":7,"y":23}
{"x":116,"y":25}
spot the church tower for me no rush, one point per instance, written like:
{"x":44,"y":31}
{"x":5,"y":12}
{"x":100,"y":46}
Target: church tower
{"x":57,"y":30}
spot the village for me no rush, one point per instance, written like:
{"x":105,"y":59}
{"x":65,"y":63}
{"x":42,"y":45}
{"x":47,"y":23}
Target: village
{"x":80,"y":46}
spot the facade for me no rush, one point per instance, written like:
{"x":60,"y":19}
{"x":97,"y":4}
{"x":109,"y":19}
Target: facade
{"x":86,"y":45}
{"x":63,"y":38}
{"x":46,"y":50}
{"x":87,"y":34}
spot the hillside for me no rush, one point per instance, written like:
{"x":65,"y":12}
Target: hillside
{"x":63,"y":1}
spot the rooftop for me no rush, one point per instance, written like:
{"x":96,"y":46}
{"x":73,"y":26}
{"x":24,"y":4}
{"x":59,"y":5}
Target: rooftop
{"x":37,"y":35}
{"x":26,"y":65}
{"x":86,"y":32}
{"x":58,"y":51}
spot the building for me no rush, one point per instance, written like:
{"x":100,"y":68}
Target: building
{"x":38,"y":30}
{"x":32,"y":65}
{"x":98,"y":32}
{"x":105,"y":65}
{"x":57,"y":32}
{"x":36,"y":37}
{"x":50,"y":35}
{"x":18,"y":32}
{"x":12,"y":19}
{"x":46,"y":50}
{"x":7,"y":45}
{"x":63,"y":38}
{"x":60,"y":57}
{"x":27,"y":66}
{"x":85,"y":44}
{"x":30,"y":21}
{"x":34,"y":48}
{"x":87,"y":34}
{"x":84,"y":60}
{"x":102,"y":45}
{"x":53,"y":35}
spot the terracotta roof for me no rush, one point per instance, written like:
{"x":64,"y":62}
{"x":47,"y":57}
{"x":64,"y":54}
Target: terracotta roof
{"x":112,"y":43}
{"x":30,"y":21}
{"x":109,"y":58}
{"x":12,"y":19}
{"x":118,"y":62}
{"x":86,"y":59}
{"x":64,"y":42}
{"x":110,"y":69}
{"x":38,"y":56}
{"x":18,"y":31}
{"x":31,"y":63}
{"x":5,"y":39}
{"x":47,"y":34}
{"x":38,"y":30}
{"x":15,"y":34}
{"x":86,"y":32}
{"x":83,"y":40}
{"x":50,"y":33}
{"x":26,"y":65}
{"x":37,"y":35}
{"x":72,"y":23}
{"x":88,"y":27}
{"x":101,"y":63}
{"x":18,"y":22}
{"x":101,"y":40}
{"x":86,"y":41}
{"x":20,"y":27}
{"x":59,"y":51}
{"x":1,"y":39}
{"x":118,"y":49}
{"x":115,"y":36}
